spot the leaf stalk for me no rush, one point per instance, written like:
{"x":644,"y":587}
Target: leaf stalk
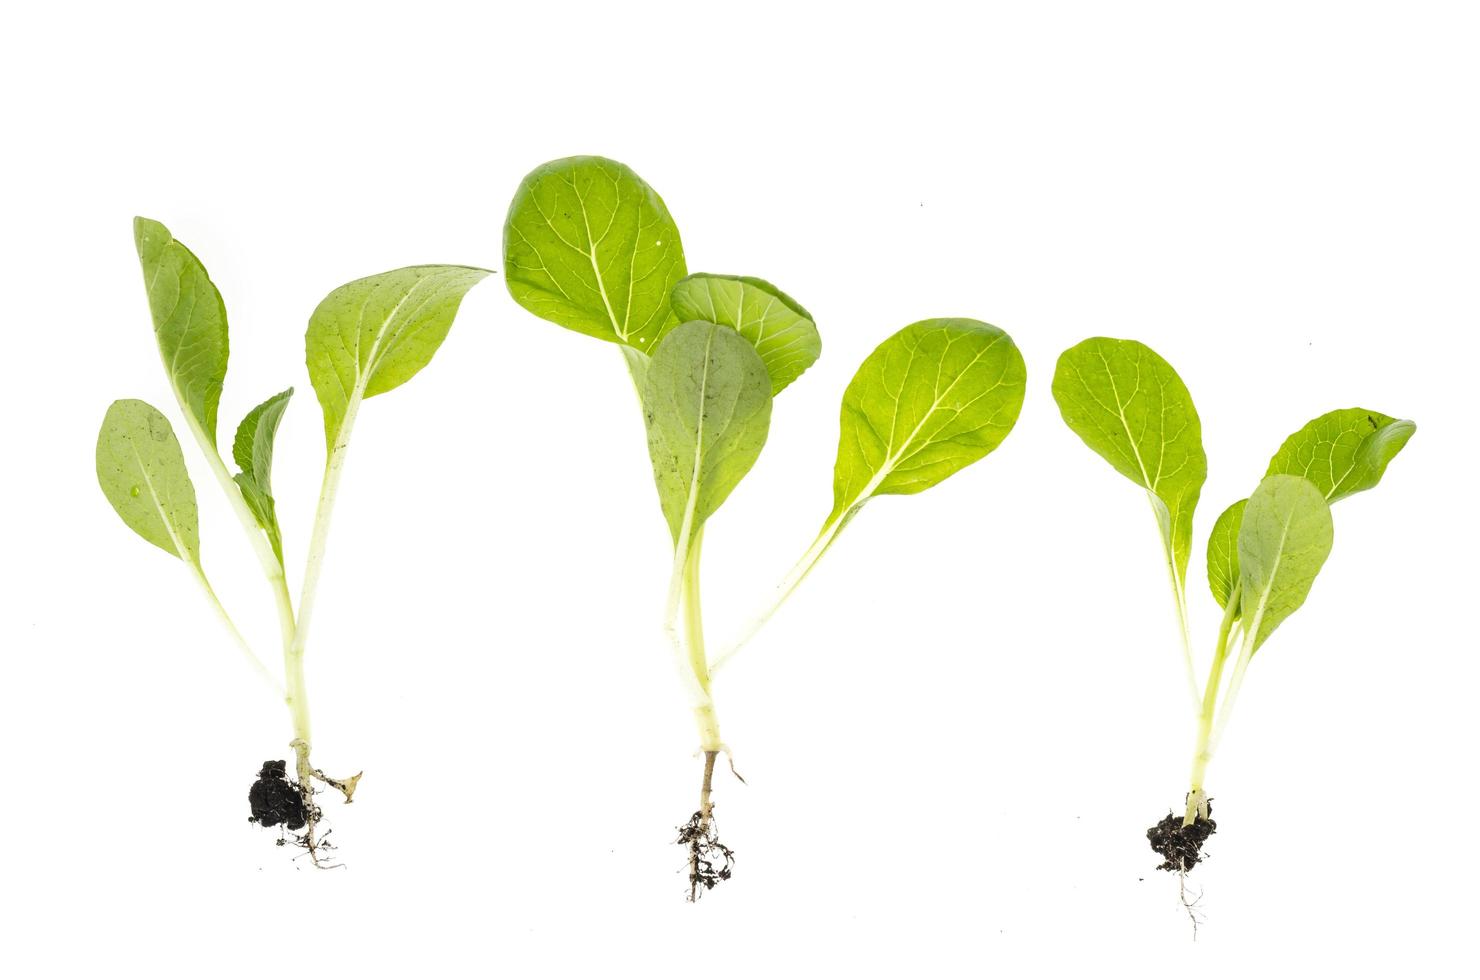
{"x":1197,"y":799}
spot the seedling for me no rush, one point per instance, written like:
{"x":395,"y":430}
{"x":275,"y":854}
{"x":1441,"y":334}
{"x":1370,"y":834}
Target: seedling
{"x":1264,"y":552}
{"x":364,"y":339}
{"x":590,"y":246}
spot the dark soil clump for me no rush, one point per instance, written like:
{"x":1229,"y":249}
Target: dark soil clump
{"x":1181,"y":846}
{"x":275,"y":800}
{"x":710,"y":862}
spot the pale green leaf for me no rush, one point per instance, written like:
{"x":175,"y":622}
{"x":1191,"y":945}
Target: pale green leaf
{"x":637,"y":365}
{"x":1128,"y":405}
{"x":374,"y":334}
{"x":1223,"y":551}
{"x":781,"y":330}
{"x":252,"y":450}
{"x":189,"y":321}
{"x":142,"y":473}
{"x":590,"y":246}
{"x":1284,"y":541}
{"x":707,"y":401}
{"x":933,"y":398}
{"x":1343,"y":452}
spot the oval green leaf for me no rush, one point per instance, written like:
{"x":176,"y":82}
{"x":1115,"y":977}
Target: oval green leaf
{"x":1285,"y":538}
{"x":1223,"y":551}
{"x":707,"y":401}
{"x":590,"y":246}
{"x":782,"y":331}
{"x":142,"y":473}
{"x":1129,"y":405}
{"x":1343,"y":452}
{"x":374,"y":334}
{"x":932,"y":399}
{"x":189,"y":321}
{"x":252,"y":451}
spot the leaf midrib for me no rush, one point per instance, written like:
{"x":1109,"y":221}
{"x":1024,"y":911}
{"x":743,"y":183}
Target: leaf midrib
{"x":1274,"y":570}
{"x":891,"y":461}
{"x":183,"y":552}
{"x":619,"y":330}
{"x":691,"y":502}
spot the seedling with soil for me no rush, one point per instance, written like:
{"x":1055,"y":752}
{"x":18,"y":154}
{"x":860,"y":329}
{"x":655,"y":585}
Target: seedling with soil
{"x":590,"y":246}
{"x":364,"y":339}
{"x":1264,"y":552}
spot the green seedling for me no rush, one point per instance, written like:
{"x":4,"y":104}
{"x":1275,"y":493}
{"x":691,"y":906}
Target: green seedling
{"x":1263,"y":553}
{"x":364,"y":339}
{"x":590,"y":246}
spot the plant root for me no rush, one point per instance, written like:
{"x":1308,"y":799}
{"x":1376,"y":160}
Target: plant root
{"x":345,"y":786}
{"x":710,"y":861}
{"x":278,"y":801}
{"x":1181,"y":846}
{"x":1190,"y":905}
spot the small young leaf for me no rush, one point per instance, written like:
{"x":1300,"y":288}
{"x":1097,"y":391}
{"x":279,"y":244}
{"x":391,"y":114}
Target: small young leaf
{"x":1128,"y":405}
{"x":1284,"y":541}
{"x":252,"y":450}
{"x":373,"y":334}
{"x":707,"y":401}
{"x":782,"y":332}
{"x":1223,"y":551}
{"x":142,"y":473}
{"x":590,"y":246}
{"x":189,"y":321}
{"x":933,"y":398}
{"x":1343,"y":452}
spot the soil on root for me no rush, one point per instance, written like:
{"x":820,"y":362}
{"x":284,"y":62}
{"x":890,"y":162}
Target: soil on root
{"x":710,"y":861}
{"x":277,"y":800}
{"x":1181,"y":846}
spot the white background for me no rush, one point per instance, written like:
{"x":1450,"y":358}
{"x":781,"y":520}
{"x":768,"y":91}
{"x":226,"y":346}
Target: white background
{"x":958,"y":730}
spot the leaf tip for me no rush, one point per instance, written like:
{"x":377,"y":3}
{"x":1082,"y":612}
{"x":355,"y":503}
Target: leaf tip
{"x":147,"y":230}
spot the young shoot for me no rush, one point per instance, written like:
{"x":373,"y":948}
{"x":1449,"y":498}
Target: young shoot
{"x":364,"y":339}
{"x":1263,"y":553}
{"x":590,"y":246}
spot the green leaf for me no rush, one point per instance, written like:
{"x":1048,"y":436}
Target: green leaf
{"x":590,"y":246}
{"x":374,"y":334}
{"x":1128,"y":405}
{"x":933,"y":398}
{"x":1284,"y":541}
{"x":707,"y":401}
{"x":1343,"y":452}
{"x":142,"y":473}
{"x":1223,"y":551}
{"x":781,"y":330}
{"x":189,"y":321}
{"x":252,"y":451}
{"x":637,"y":365}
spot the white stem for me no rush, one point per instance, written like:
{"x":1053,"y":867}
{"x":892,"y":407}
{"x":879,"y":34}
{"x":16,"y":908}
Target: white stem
{"x":236,"y":634}
{"x":1235,"y":682}
{"x":319,"y":540}
{"x":680,"y":618}
{"x":271,"y":567}
{"x":1179,"y":594}
{"x":1202,"y":754}
{"x":788,"y":585}
{"x":693,"y":643}
{"x":297,"y":692}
